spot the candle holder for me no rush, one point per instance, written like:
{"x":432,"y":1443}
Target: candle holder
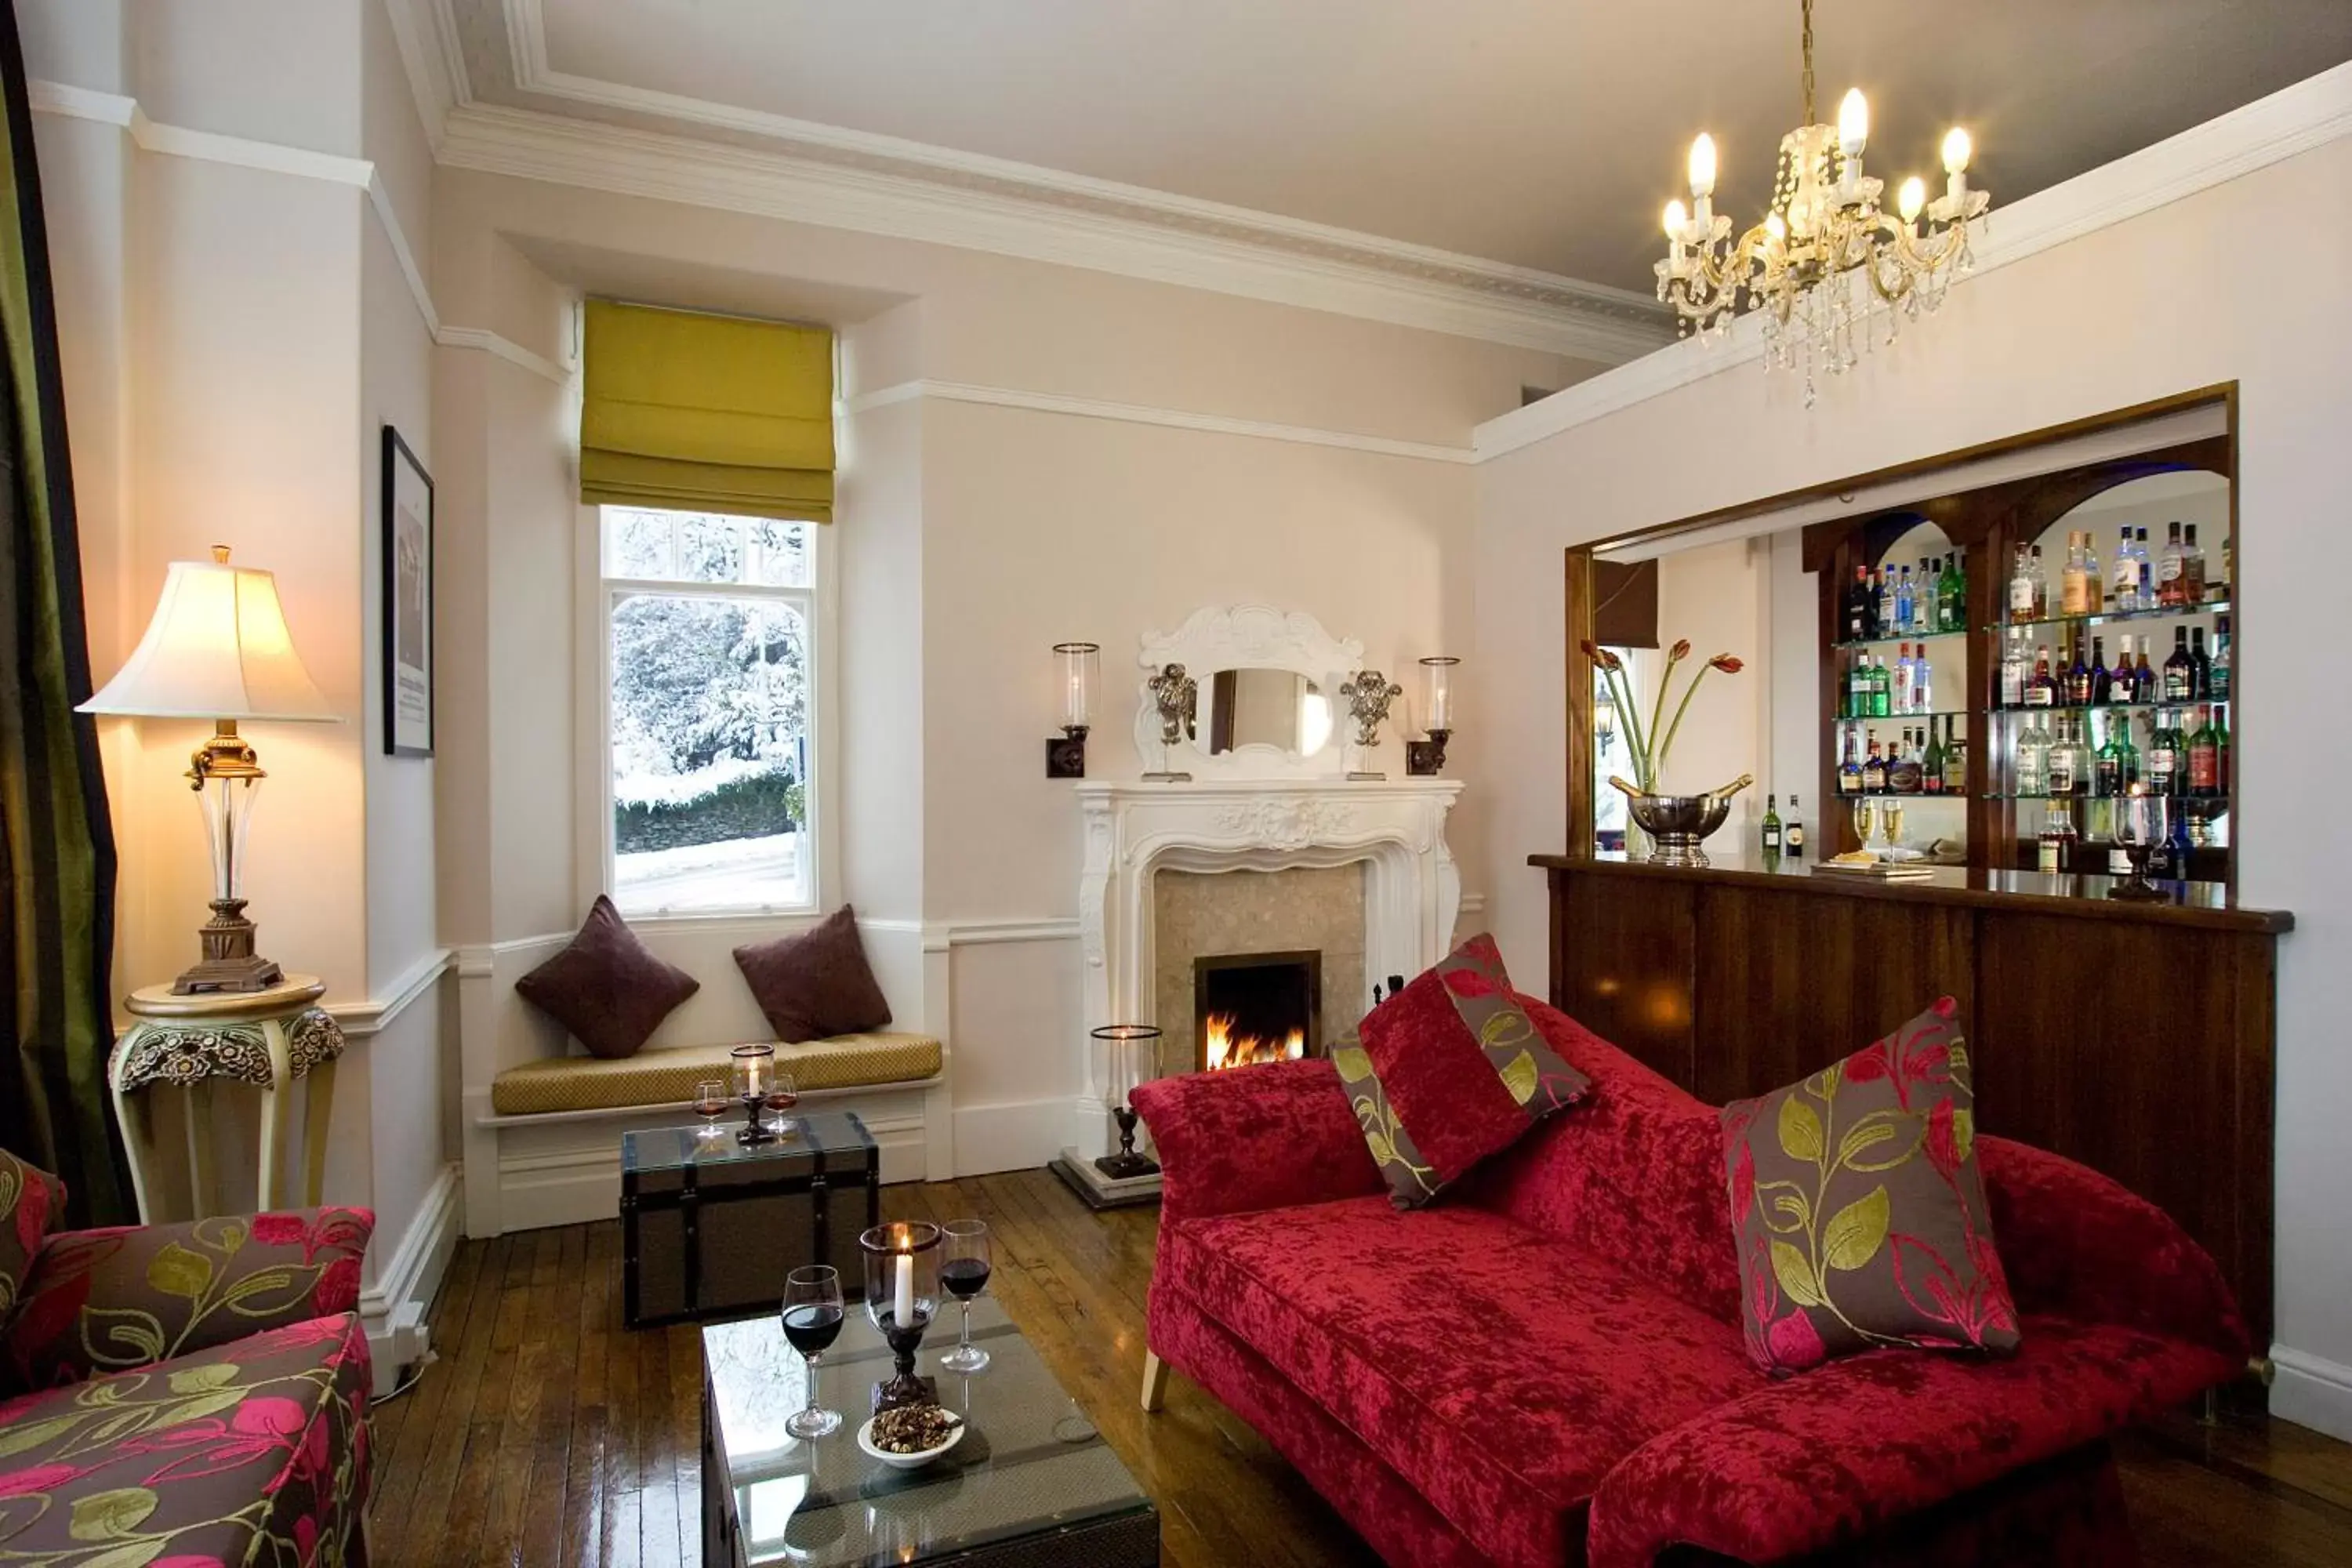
{"x":1078,"y":664}
{"x":754,"y":1072}
{"x":2136,"y":888}
{"x":1425,"y":758}
{"x":1126,"y":1040}
{"x":902,"y":1293}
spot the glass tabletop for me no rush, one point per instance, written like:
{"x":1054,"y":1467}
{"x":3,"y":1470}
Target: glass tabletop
{"x":677,"y":1148}
{"x":1030,"y":1462}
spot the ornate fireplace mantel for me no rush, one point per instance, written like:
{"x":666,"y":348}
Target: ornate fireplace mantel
{"x":1396,"y":828}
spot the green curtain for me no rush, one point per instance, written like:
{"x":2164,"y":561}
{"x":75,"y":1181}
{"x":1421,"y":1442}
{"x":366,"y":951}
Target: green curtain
{"x":56,"y":844}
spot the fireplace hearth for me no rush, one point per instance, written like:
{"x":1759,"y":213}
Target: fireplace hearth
{"x":1257,"y":1007}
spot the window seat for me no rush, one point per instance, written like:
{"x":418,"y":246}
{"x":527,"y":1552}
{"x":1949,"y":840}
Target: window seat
{"x":667,"y":1076}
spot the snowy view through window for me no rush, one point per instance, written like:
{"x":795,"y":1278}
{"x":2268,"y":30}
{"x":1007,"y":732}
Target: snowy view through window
{"x":707,"y":621}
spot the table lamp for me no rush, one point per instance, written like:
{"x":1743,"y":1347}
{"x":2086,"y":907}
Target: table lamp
{"x":217,"y":648}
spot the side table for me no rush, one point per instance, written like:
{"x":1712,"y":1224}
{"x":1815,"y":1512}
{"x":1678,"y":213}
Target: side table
{"x":270,"y":1039}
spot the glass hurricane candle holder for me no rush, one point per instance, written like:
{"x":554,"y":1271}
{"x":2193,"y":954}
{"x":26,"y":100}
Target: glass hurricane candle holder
{"x":902,"y":1292}
{"x":1424,"y":758}
{"x":1077,"y":668}
{"x":1126,"y":1047}
{"x":753,"y":1068}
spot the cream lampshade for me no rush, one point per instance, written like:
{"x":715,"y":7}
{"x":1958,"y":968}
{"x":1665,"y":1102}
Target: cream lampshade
{"x":217,"y":648}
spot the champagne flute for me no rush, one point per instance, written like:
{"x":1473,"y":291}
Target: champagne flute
{"x":812,"y":1314}
{"x":711,"y":1104}
{"x":965,"y":1274}
{"x":1865,"y":815}
{"x":784,"y":1093}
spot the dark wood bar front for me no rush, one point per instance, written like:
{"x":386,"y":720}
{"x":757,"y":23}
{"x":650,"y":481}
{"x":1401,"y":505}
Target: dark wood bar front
{"x":2135,"y":1037}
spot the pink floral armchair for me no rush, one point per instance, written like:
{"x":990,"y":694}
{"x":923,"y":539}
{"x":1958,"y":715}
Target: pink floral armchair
{"x":180,"y":1396}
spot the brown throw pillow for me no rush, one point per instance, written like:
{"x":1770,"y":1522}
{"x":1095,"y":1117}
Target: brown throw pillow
{"x":1859,"y":1209}
{"x":817,"y":985}
{"x":1450,"y":1072}
{"x":607,"y":987}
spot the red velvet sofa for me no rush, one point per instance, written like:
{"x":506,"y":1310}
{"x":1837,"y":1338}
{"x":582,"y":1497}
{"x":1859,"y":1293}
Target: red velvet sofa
{"x":1547,"y":1367}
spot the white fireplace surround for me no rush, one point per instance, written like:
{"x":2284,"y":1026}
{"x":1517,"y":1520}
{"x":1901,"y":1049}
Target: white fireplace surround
{"x":1395,"y":828}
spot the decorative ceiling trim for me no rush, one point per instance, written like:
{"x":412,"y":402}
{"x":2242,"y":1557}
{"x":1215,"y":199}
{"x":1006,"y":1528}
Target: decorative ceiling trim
{"x":512,"y":113}
{"x":1141,"y":414}
{"x":596,"y":156}
{"x":426,"y":36}
{"x":2270,"y":129}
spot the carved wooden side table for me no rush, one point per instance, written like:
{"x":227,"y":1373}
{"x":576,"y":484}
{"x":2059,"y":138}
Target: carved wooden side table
{"x":270,"y":1039}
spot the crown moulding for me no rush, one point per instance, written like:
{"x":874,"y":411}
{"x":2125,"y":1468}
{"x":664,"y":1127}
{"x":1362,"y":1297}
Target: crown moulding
{"x":490,"y":103}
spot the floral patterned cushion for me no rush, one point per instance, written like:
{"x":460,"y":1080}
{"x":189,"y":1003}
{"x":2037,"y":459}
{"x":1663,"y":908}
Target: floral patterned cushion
{"x":252,"y":1452}
{"x":32,"y":1204}
{"x":1859,"y":1209}
{"x":104,"y":1301}
{"x":1452,"y":1070}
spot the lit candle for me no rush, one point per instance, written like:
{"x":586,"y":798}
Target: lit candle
{"x":1074,"y":705}
{"x":902,"y":1299}
{"x":1854,"y":123}
{"x":1956,"y":148}
{"x":1914,"y":197}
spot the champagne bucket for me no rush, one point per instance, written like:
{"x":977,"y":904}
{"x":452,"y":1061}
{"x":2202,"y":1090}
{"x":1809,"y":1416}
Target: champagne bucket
{"x":1677,"y":823}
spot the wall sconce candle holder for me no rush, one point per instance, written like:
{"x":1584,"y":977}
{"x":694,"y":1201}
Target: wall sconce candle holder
{"x":1425,"y":758}
{"x":1078,"y":665}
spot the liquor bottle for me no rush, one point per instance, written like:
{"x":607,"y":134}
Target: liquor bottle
{"x":1873,"y":770}
{"x":2224,"y":764}
{"x":2032,"y":760}
{"x":2021,"y":587}
{"x":2013,"y":670}
{"x":2146,"y":569}
{"x":2074,"y":588}
{"x":2040,"y":578}
{"x":1907,"y":604}
{"x":1956,"y":759}
{"x":2120,"y":759}
{"x":2192,"y":570}
{"x":1881,"y":688}
{"x":2168,"y":568}
{"x":1794,"y":836}
{"x":2095,"y":584}
{"x":1889,"y":611}
{"x":1852,"y":607}
{"x":2122,"y":574}
{"x":2065,"y":762}
{"x":1952,"y":597}
{"x":2181,"y":669}
{"x":2201,"y":676}
{"x":2204,"y":756}
{"x":2164,"y":771}
{"x":1772,"y":829}
{"x":2101,"y":684}
{"x":1903,"y":677}
{"x":2042,"y":688}
{"x":1904,"y":771}
{"x":2179,"y":841}
{"x":1849,"y":779}
{"x":2216,"y":677}
{"x":1923,"y":694}
{"x":2145,"y":685}
{"x":2078,"y":679}
{"x":2056,"y":840}
{"x":2161,"y":864}
{"x":2119,"y":679}
{"x":1931,"y":765}
{"x":1856,"y":703}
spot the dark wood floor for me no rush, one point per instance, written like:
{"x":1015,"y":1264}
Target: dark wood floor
{"x":547,"y":1433}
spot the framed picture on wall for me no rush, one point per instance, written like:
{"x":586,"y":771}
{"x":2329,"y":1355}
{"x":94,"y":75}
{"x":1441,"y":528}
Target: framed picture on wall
{"x":408,"y":600}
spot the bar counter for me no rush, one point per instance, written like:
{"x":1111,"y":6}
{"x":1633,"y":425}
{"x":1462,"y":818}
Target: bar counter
{"x":2136,"y":1038}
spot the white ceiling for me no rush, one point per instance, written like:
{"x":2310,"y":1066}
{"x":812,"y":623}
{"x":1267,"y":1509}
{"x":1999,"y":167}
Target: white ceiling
{"x":1541,"y":133}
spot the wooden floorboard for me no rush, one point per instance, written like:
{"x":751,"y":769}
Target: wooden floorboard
{"x":546,"y":1434}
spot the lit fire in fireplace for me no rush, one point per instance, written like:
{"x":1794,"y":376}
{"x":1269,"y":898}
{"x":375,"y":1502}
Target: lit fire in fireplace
{"x":1224,"y":1049}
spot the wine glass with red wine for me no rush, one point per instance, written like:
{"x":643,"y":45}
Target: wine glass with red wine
{"x":710,"y":1103}
{"x":964,"y":1272}
{"x":812,"y":1312}
{"x":784,"y":1093}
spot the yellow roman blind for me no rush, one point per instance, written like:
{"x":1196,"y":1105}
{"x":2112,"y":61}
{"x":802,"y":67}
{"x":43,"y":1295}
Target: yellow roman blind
{"x":697,"y":413}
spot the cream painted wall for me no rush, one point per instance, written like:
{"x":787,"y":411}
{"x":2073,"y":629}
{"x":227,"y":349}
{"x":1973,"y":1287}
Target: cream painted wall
{"x":2167,"y":301}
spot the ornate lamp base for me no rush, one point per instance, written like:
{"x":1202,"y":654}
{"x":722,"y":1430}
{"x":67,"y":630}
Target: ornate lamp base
{"x":229,"y":964}
{"x":1126,"y":1164}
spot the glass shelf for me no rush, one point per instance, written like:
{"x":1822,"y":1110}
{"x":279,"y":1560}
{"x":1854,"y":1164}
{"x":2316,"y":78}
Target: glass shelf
{"x":1898,"y":637}
{"x":2209,"y":800}
{"x":2111,"y":707}
{"x":2101,"y":619}
{"x":1915,"y":713}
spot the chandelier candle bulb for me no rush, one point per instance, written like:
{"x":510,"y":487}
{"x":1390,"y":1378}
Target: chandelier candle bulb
{"x":1702,"y":170}
{"x":1854,"y":125}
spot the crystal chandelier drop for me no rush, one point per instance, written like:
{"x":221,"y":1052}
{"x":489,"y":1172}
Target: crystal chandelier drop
{"x":1826,"y":258}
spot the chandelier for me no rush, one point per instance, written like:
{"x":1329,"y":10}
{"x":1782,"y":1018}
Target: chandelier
{"x":1826,"y":260}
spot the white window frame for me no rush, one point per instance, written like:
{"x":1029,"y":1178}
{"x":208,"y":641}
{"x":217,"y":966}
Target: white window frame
{"x":594,"y":597}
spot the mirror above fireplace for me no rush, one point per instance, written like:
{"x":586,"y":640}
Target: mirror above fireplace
{"x":1263,"y":710}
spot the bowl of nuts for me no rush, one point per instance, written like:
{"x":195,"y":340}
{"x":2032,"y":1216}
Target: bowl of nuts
{"x":908,"y":1437}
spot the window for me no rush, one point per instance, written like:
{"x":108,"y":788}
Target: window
{"x":709,"y":641}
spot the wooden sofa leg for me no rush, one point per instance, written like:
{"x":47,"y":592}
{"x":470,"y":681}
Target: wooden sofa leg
{"x":1155,"y":1381}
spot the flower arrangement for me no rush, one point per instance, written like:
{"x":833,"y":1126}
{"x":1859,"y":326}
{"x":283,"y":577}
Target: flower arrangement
{"x":1649,"y":748}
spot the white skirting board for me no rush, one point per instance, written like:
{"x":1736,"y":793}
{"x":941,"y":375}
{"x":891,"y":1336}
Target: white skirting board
{"x":1019,"y":1135}
{"x":2311,"y":1391}
{"x":392,"y":1308}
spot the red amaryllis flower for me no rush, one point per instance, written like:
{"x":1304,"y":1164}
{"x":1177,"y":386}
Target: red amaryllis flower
{"x":1726,"y":663}
{"x":1679,"y":652}
{"x":1602,"y":657}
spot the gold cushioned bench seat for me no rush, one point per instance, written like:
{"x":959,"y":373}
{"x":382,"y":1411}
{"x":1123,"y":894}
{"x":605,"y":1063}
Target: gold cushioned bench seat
{"x":667,"y":1076}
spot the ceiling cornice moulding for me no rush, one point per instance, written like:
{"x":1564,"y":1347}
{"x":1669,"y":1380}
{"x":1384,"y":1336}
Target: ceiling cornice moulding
{"x":502,"y":108}
{"x":2295,"y":120}
{"x":534,"y":144}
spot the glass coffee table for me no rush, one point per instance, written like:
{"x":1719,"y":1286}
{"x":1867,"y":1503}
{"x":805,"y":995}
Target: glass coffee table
{"x":1032,"y":1485}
